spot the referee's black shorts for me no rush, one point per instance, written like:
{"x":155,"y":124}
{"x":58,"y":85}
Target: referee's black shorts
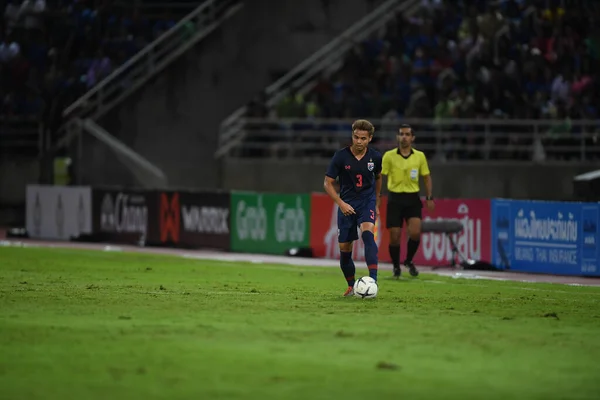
{"x":401,"y":207}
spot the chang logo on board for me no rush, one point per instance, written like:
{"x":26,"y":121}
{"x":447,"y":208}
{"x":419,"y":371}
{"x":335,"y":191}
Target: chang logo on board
{"x":127,"y":214}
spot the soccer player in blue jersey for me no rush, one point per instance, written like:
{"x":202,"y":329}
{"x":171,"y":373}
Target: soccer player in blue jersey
{"x":358,"y":169}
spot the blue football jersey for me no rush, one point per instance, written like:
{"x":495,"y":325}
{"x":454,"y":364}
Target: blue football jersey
{"x":356,"y":177}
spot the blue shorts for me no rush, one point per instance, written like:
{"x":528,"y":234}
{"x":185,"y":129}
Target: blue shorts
{"x":348,"y":224}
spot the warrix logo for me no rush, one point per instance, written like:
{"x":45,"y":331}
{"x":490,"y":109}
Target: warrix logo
{"x":251,"y":221}
{"x":169,"y":218}
{"x":290,"y":223}
{"x":213,"y":220}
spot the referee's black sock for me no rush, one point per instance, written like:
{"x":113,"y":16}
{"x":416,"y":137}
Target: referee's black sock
{"x":411,"y":249}
{"x":395,"y":254}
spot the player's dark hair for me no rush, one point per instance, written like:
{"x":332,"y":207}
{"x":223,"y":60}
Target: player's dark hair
{"x":363,"y":125}
{"x":406,"y":126}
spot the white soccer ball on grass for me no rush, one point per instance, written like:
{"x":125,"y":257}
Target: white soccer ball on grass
{"x":366,"y":288}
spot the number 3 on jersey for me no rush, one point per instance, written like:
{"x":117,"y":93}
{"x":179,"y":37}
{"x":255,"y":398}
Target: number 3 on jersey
{"x":359,"y":181}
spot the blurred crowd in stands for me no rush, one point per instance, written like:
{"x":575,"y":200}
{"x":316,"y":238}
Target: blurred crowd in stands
{"x":476,"y":59}
{"x":53,"y":51}
{"x":466,"y":59}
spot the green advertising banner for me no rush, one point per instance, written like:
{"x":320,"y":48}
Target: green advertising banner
{"x":269,"y":223}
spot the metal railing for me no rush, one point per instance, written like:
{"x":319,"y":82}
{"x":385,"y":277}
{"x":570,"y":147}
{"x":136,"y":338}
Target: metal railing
{"x":144,"y":5}
{"x":147,"y":174}
{"x":152,"y":59}
{"x":20,"y":135}
{"x":329,"y":57}
{"x":157,"y":9}
{"x":134,"y":73}
{"x":450,"y":139}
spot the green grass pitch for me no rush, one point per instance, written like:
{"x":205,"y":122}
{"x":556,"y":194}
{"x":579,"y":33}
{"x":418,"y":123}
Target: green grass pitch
{"x":99,"y":325}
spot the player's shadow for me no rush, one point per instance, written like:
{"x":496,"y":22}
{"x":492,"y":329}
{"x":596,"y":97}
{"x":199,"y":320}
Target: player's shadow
{"x":401,"y":279}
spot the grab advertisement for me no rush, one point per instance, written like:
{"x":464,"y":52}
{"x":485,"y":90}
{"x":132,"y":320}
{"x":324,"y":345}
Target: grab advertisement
{"x":474,"y":241}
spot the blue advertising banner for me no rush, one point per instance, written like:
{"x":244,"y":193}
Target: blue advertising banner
{"x":547,"y":237}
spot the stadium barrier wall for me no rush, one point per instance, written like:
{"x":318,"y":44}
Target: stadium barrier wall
{"x":58,"y":212}
{"x":474,"y":241}
{"x":194,"y":220}
{"x":124,"y":216}
{"x":546,"y":237}
{"x":530,"y":236}
{"x":162,"y":218}
{"x":269,"y":223}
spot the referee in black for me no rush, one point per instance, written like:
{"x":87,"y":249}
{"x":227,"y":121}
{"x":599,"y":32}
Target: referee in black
{"x":403,"y":166}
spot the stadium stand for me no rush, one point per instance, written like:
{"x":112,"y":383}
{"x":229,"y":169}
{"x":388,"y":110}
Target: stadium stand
{"x":455,"y":62}
{"x":440,"y":65}
{"x":52,"y":52}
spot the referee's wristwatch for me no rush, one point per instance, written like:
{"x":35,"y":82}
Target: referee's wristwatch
{"x":429,"y":198}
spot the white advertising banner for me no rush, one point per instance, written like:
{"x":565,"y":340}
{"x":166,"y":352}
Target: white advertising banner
{"x":58,"y":212}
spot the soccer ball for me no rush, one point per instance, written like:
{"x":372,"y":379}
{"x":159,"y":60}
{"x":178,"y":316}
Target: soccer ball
{"x":366,"y":288}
